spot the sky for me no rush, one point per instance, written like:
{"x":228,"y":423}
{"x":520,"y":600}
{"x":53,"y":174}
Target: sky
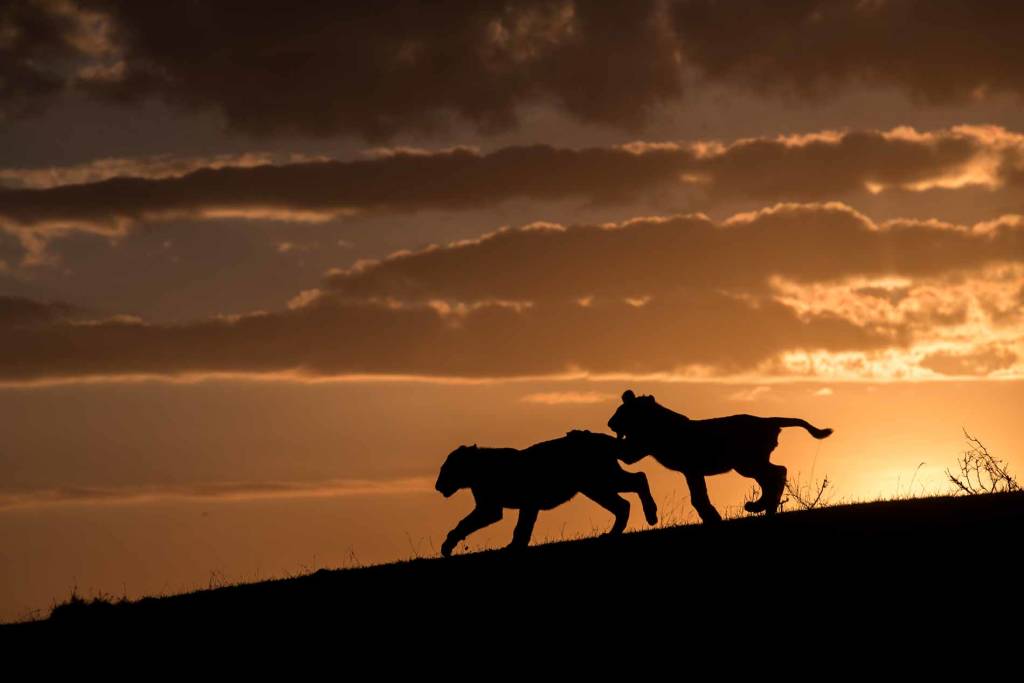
{"x":262,"y":266}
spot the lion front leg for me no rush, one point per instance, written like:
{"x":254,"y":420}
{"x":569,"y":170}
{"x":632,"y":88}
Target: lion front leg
{"x":636,"y":482}
{"x":475,"y":520}
{"x":524,"y":529}
{"x":699,"y":497}
{"x":613,"y":503}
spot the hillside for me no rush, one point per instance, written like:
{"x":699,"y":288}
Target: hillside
{"x":833,"y":567}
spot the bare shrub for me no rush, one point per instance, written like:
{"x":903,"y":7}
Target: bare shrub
{"x":808,"y":496}
{"x":803,"y":496}
{"x":980,"y":471}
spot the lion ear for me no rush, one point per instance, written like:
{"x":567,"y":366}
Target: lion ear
{"x":628,"y":396}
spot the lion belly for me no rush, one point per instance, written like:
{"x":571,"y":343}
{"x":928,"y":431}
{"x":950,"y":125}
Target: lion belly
{"x":531,"y":492}
{"x":718,"y":445}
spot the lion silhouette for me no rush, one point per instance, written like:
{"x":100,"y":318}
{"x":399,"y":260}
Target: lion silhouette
{"x":541,"y":477}
{"x":699,"y":448}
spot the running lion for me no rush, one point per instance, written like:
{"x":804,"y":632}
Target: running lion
{"x":700,"y":448}
{"x":542,"y":477}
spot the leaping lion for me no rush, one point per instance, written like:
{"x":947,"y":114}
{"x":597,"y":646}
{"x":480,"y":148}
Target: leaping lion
{"x":700,"y":448}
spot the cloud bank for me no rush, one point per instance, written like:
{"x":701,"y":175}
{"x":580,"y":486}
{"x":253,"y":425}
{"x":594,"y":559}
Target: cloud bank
{"x":814,"y":290}
{"x":407,"y":66}
{"x":703,"y":174}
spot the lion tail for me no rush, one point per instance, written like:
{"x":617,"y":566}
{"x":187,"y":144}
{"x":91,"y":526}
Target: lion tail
{"x":797,"y":422}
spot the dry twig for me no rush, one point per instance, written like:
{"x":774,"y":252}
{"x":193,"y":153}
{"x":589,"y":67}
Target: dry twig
{"x":981,"y":472}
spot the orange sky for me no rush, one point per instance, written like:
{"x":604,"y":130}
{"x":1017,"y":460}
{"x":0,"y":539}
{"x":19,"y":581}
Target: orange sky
{"x":248,"y":304}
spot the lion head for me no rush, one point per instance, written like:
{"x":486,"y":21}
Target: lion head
{"x":456,"y":472}
{"x":635,"y":416}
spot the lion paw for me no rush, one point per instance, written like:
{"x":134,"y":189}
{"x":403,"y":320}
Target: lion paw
{"x":711,"y":517}
{"x":652,"y":516}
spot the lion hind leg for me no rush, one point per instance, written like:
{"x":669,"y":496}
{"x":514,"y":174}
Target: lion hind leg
{"x":524,"y":528}
{"x":763,"y":478}
{"x":776,"y":486}
{"x":772,"y":480}
{"x":699,"y":498}
{"x":480,"y":517}
{"x":613,"y":503}
{"x":756,"y":506}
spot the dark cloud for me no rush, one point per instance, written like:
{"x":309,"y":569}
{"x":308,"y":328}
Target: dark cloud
{"x":378,"y":69}
{"x":23,"y":312}
{"x":830,"y":166}
{"x":404,"y":181}
{"x":34,"y":41}
{"x":824,"y":166}
{"x":646,"y":296}
{"x":937,"y":50}
{"x":11,"y":251}
{"x":329,"y":337}
{"x":155,"y":166}
{"x":802,"y":242}
{"x":409,"y":66}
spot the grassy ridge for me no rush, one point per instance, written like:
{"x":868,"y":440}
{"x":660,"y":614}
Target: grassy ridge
{"x":918,"y":557}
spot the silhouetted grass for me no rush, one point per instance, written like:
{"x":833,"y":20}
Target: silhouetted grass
{"x":857,"y":558}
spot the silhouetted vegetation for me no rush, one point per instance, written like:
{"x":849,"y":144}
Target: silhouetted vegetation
{"x":808,"y":496}
{"x":981,"y":472}
{"x":693,"y":582}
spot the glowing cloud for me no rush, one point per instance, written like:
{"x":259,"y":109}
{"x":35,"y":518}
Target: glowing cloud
{"x":811,"y":291}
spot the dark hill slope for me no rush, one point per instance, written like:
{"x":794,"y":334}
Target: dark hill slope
{"x":867,"y":568}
